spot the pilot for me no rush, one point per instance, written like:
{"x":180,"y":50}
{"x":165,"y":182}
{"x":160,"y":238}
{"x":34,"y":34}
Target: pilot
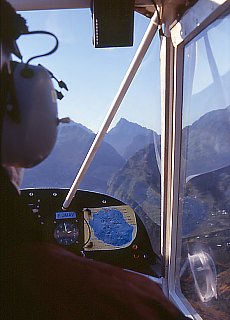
{"x":39,"y":280}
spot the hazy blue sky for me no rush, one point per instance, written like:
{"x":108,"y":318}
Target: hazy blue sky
{"x":207,"y":81}
{"x":94,"y":75}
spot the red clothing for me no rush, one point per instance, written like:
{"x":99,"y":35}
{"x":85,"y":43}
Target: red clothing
{"x":48,"y":282}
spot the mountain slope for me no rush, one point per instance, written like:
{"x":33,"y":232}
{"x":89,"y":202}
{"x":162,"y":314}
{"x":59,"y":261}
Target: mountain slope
{"x":138,"y":184}
{"x":60,"y":168}
{"x":128,"y":137}
{"x":206,"y":143}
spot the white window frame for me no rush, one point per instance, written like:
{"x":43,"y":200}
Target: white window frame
{"x":195,"y":20}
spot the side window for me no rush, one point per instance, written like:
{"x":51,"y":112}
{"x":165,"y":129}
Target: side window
{"x":204,"y":202}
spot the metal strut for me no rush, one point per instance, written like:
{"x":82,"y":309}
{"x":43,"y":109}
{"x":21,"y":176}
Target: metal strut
{"x":141,"y":51}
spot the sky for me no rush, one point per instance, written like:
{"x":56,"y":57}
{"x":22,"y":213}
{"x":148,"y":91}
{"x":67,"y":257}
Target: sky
{"x":218,"y":35}
{"x":93,"y":75}
{"x":207,"y":71}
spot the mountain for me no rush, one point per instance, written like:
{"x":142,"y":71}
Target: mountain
{"x":209,"y":195}
{"x":206,"y":143}
{"x":206,"y":146}
{"x":128,"y":137}
{"x":138,"y":180}
{"x":60,"y":168}
{"x":138,"y":184}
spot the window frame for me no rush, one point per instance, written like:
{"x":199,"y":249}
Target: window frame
{"x":195,"y":20}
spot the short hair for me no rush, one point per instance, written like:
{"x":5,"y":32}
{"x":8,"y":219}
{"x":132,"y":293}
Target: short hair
{"x":12,"y":25}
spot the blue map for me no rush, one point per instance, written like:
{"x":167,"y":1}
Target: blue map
{"x":110,"y":226}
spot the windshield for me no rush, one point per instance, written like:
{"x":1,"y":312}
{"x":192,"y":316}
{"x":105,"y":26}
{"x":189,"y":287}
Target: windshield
{"x":127,"y":165}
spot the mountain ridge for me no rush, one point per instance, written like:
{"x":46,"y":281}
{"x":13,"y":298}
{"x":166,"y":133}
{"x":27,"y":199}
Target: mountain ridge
{"x":124,"y":137}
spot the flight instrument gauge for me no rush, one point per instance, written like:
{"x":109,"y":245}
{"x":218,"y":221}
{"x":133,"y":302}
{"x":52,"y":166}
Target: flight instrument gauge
{"x":66,"y":233}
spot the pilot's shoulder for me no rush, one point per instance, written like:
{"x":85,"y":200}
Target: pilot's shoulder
{"x":71,"y":285}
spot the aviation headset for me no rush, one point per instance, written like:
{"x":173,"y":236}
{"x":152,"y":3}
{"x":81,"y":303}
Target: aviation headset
{"x":28,"y":111}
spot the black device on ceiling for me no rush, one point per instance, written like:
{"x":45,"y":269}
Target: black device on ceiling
{"x":113,"y":22}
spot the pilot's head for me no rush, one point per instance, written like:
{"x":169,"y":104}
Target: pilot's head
{"x":28,"y":107}
{"x":12,"y":26}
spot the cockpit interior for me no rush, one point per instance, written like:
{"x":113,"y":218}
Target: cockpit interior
{"x":139,"y":177}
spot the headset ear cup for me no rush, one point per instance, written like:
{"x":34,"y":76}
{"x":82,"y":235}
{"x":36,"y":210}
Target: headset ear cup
{"x":28,"y":141}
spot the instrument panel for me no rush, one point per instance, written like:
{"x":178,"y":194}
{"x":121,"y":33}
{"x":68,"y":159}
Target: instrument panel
{"x":97,"y":226}
{"x":109,"y":228}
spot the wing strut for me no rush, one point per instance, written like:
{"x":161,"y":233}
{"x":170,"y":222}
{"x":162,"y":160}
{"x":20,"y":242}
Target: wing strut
{"x":141,"y":51}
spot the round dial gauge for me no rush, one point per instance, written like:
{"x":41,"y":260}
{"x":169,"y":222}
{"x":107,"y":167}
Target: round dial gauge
{"x":66,"y":233}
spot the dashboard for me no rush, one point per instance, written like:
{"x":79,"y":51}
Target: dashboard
{"x":95,"y":225}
